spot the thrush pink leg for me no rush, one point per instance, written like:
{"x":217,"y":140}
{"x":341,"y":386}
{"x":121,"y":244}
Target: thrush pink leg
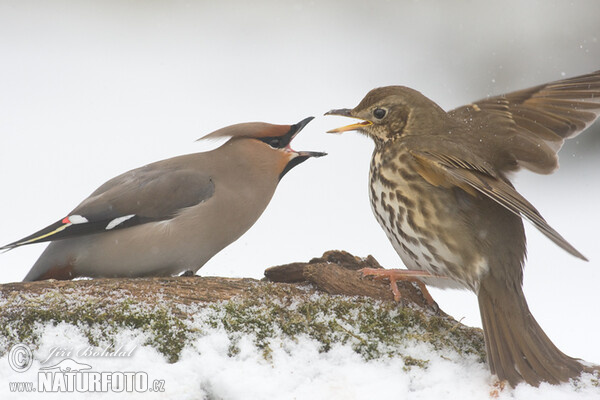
{"x":395,"y":275}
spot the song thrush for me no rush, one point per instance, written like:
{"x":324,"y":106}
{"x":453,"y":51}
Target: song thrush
{"x":439,"y":188}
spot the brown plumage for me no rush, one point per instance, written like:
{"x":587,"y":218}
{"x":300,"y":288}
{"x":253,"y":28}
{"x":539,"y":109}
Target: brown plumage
{"x":439,"y":188}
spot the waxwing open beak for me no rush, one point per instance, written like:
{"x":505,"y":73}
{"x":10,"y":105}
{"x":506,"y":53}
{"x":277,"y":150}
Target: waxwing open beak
{"x":311,"y":154}
{"x":294,"y":130}
{"x":298,"y":157}
{"x":346,"y":112}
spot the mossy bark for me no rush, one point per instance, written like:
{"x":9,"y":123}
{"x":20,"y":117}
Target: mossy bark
{"x":325,"y":299}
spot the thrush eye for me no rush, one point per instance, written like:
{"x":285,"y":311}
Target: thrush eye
{"x":379,"y":113}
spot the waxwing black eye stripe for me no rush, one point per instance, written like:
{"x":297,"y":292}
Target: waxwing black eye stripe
{"x":278,"y":142}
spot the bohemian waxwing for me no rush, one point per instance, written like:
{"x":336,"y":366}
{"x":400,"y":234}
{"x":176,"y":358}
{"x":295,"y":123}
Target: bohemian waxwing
{"x":172,"y":215}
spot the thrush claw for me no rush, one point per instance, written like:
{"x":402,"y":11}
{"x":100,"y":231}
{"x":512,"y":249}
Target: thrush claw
{"x":402,"y":302}
{"x":435,"y":308}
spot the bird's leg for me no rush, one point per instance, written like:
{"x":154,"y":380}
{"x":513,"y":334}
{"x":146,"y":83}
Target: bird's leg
{"x":425,"y":293}
{"x":395,"y":275}
{"x":497,"y":388}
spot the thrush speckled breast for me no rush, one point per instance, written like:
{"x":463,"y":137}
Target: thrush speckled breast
{"x":439,"y":189}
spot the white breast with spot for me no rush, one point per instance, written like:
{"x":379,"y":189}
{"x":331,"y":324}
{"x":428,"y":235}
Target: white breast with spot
{"x":415,"y":256}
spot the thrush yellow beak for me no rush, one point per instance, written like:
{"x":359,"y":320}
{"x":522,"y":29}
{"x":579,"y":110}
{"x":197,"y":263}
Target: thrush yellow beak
{"x":346,"y":112}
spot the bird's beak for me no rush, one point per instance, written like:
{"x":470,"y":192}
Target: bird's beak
{"x":346,"y":112}
{"x":294,"y":130}
{"x":297,"y":157}
{"x":311,"y":154}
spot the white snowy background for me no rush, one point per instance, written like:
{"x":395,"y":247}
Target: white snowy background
{"x":90,"y":89}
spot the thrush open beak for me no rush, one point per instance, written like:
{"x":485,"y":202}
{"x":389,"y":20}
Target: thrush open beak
{"x":346,"y":112}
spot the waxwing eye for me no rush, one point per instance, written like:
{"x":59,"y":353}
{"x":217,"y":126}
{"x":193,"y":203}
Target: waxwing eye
{"x":379,"y":113}
{"x":275,"y":142}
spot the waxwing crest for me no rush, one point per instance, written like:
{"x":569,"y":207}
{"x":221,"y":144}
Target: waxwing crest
{"x":249,"y":130}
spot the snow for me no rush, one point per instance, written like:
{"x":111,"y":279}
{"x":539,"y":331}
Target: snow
{"x":90,"y":90}
{"x":297,"y":369}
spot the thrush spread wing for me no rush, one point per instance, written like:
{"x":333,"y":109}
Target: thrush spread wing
{"x":155,"y":192}
{"x":543,"y":115}
{"x":444,"y":170}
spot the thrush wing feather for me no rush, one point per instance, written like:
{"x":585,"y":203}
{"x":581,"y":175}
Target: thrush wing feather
{"x":496,"y":189}
{"x":136,"y":197}
{"x":546,"y":114}
{"x":506,"y":196}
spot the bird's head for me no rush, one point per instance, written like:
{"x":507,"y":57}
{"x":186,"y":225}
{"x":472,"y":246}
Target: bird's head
{"x":388,"y":113}
{"x":273,"y":139}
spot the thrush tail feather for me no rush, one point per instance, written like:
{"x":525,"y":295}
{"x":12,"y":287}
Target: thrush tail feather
{"x":517,"y":347}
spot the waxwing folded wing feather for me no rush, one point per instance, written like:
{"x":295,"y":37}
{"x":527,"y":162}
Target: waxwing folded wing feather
{"x":148,"y":194}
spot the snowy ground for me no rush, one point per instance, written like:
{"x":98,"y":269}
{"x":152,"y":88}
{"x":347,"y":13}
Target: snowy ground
{"x":270,"y":342}
{"x":297,"y":370}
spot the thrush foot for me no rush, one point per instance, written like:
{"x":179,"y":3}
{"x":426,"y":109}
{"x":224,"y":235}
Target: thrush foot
{"x":395,"y":275}
{"x":189,"y":272}
{"x":497,"y":388}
